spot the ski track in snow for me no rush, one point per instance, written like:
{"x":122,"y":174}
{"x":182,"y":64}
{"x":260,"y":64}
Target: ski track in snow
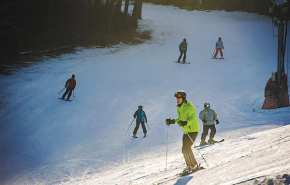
{"x":46,"y":141}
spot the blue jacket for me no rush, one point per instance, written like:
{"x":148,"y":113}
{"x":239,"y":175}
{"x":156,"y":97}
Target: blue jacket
{"x":209,"y":115}
{"x":141,"y":116}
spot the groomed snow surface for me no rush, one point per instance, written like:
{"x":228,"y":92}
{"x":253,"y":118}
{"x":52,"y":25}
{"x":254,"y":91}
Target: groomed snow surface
{"x":44,"y":140}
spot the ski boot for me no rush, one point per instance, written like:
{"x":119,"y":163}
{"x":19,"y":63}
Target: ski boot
{"x":211,"y":141}
{"x":144,"y":134}
{"x":189,"y":169}
{"x":134,"y":135}
{"x":203,"y":142}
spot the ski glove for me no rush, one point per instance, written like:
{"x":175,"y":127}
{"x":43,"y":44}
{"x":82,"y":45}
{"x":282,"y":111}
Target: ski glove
{"x":169,"y":121}
{"x":204,"y":121}
{"x":182,"y":123}
{"x":217,"y":122}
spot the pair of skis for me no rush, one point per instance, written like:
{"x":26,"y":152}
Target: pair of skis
{"x":217,"y":58}
{"x":182,"y":62}
{"x":209,"y":144}
{"x":189,"y":62}
{"x":179,"y":175}
{"x":137,"y":137}
{"x":64,"y":99}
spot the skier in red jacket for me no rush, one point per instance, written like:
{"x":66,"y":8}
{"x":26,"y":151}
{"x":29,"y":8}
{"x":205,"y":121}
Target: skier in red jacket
{"x":70,"y":86}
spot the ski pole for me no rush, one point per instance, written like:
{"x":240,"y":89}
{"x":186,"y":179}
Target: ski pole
{"x":213,"y":52}
{"x":73,"y":93}
{"x":148,"y":126}
{"x":130,"y":126}
{"x":195,"y":146}
{"x":61,"y":90}
{"x":166,"y":147}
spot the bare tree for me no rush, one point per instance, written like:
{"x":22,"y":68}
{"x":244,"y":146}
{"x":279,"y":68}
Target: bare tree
{"x":107,"y":29}
{"x":137,"y":13}
{"x":126,"y":7}
{"x":118,"y":16}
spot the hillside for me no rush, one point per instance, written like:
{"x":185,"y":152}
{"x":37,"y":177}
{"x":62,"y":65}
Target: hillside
{"x":44,"y":140}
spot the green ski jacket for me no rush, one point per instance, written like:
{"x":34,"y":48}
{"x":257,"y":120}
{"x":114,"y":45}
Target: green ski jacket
{"x":186,"y":112}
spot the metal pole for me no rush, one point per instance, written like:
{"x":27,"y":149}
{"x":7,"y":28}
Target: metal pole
{"x":213,"y":52}
{"x":166,"y":147}
{"x":195,"y":146}
{"x":148,"y":126}
{"x":61,"y":90}
{"x":280,"y":67}
{"x":130,"y":126}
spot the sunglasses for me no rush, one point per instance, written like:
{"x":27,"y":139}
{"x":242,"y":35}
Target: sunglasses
{"x":177,"y":95}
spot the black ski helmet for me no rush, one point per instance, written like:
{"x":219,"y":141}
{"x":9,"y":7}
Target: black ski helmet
{"x":182,"y":94}
{"x":140,"y":107}
{"x":206,"y":104}
{"x":73,"y":76}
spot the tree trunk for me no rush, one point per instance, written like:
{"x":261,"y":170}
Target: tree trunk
{"x":118,"y":16}
{"x":137,"y":11}
{"x":126,"y":7}
{"x":107,"y":29}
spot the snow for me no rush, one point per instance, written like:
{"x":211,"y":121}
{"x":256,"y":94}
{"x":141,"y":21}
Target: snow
{"x":44,"y":140}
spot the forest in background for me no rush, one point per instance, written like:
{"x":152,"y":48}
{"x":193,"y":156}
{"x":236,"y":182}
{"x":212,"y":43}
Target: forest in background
{"x":35,"y":25}
{"x":251,"y":6}
{"x":31,"y":26}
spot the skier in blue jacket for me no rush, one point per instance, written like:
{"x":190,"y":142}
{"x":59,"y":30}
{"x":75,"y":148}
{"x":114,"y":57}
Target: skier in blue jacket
{"x":209,"y":118}
{"x":141,"y":117}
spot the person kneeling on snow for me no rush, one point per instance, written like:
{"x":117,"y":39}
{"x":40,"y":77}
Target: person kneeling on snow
{"x":141,"y":117}
{"x":209,"y":118}
{"x":187,"y":120}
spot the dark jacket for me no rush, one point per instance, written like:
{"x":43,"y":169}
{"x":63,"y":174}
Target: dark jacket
{"x":140,"y":114}
{"x":71,"y":83}
{"x":183,"y":46}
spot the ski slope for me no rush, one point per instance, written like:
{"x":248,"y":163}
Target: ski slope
{"x":44,"y":140}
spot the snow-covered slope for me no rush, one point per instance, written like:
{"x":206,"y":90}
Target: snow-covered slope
{"x":44,"y":140}
{"x":241,"y":160}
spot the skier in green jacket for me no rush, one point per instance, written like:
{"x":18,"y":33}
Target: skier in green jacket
{"x":183,"y":50}
{"x":188,"y":122}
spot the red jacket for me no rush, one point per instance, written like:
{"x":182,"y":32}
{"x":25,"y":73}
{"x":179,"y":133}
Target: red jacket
{"x":71,"y":83}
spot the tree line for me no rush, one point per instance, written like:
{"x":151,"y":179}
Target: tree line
{"x":252,"y":6}
{"x":27,"y":25}
{"x":41,"y":24}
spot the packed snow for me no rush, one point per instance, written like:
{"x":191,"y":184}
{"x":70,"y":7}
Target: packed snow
{"x":44,"y":140}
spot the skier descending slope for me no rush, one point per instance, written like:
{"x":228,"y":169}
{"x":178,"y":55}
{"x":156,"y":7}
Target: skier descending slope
{"x":183,"y":50}
{"x":70,"y":86}
{"x":209,"y":117}
{"x":188,"y":121}
{"x":219,"y":46}
{"x":141,"y":117}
